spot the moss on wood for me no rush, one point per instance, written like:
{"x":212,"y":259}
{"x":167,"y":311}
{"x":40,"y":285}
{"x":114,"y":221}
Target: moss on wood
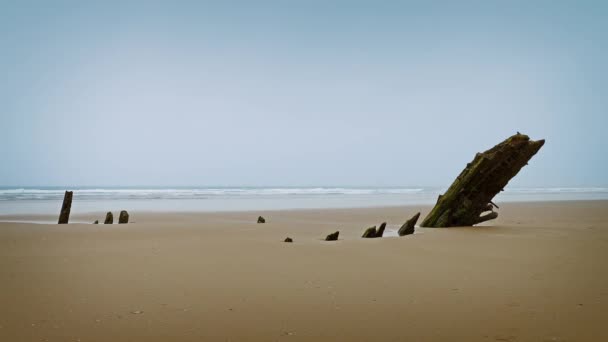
{"x":470,"y":196}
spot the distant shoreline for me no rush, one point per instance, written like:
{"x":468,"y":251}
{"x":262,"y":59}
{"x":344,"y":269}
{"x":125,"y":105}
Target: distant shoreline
{"x":87,"y":217}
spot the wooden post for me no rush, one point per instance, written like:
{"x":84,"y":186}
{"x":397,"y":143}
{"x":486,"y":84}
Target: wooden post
{"x":123,"y":217}
{"x":380,"y":230}
{"x":64,"y":215}
{"x":109,"y":218}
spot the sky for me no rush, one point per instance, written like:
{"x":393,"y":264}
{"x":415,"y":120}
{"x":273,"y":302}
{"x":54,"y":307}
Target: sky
{"x":298,"y":93}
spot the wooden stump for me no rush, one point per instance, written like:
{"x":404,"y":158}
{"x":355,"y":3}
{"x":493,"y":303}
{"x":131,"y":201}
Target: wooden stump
{"x":109,"y":218}
{"x":369,"y":232}
{"x":332,"y":236}
{"x":380,"y":230}
{"x":64,"y":214}
{"x":409,"y":226}
{"x":123,"y":217}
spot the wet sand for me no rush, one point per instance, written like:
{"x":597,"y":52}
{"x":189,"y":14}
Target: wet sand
{"x":538,"y":273}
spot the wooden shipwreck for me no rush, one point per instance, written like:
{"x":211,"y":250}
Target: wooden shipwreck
{"x":468,"y":201}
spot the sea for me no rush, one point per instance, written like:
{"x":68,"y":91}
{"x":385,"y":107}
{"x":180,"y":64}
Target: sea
{"x":48,"y":200}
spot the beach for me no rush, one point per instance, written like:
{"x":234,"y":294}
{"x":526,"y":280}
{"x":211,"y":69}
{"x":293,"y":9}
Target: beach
{"x":537,"y":273}
{"x":257,"y":161}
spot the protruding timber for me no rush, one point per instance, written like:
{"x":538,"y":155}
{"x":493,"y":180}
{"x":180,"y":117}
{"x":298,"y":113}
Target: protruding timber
{"x":380,"y":230}
{"x":471,"y":193}
{"x":369,"y":232}
{"x":332,"y":236}
{"x":373,"y":232}
{"x":261,"y":219}
{"x":409,"y":226}
{"x":109,"y":218}
{"x":64,"y":214}
{"x":123,"y":217}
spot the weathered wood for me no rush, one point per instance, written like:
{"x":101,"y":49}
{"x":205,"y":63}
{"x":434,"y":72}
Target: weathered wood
{"x":261,"y":219}
{"x":332,"y":236}
{"x":123,"y":217}
{"x":408,"y":227}
{"x":369,"y":232}
{"x":109,"y":218}
{"x":380,"y":230}
{"x":471,"y":193}
{"x":64,"y":214}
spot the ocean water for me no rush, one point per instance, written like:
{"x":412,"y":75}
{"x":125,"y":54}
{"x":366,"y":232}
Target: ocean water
{"x":47,"y":200}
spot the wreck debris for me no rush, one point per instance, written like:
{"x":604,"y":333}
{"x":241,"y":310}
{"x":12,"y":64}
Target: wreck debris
{"x":332,"y":236}
{"x":369,"y":232}
{"x":380,"y":230}
{"x":64,"y":214}
{"x":470,"y":196}
{"x":109,"y":218}
{"x":409,"y":226}
{"x":261,"y":219}
{"x":373,"y":232}
{"x":123,"y":217}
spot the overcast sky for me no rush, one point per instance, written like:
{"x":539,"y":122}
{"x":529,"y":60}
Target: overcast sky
{"x":299,"y":92}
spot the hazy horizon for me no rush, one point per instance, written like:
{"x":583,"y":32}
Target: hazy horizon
{"x":341,"y":93}
{"x":270,"y":186}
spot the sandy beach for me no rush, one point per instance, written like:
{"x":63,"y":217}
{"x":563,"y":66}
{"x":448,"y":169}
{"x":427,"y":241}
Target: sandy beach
{"x":191,"y":119}
{"x":538,"y":273}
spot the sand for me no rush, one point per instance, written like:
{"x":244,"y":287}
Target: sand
{"x":538,"y":273}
